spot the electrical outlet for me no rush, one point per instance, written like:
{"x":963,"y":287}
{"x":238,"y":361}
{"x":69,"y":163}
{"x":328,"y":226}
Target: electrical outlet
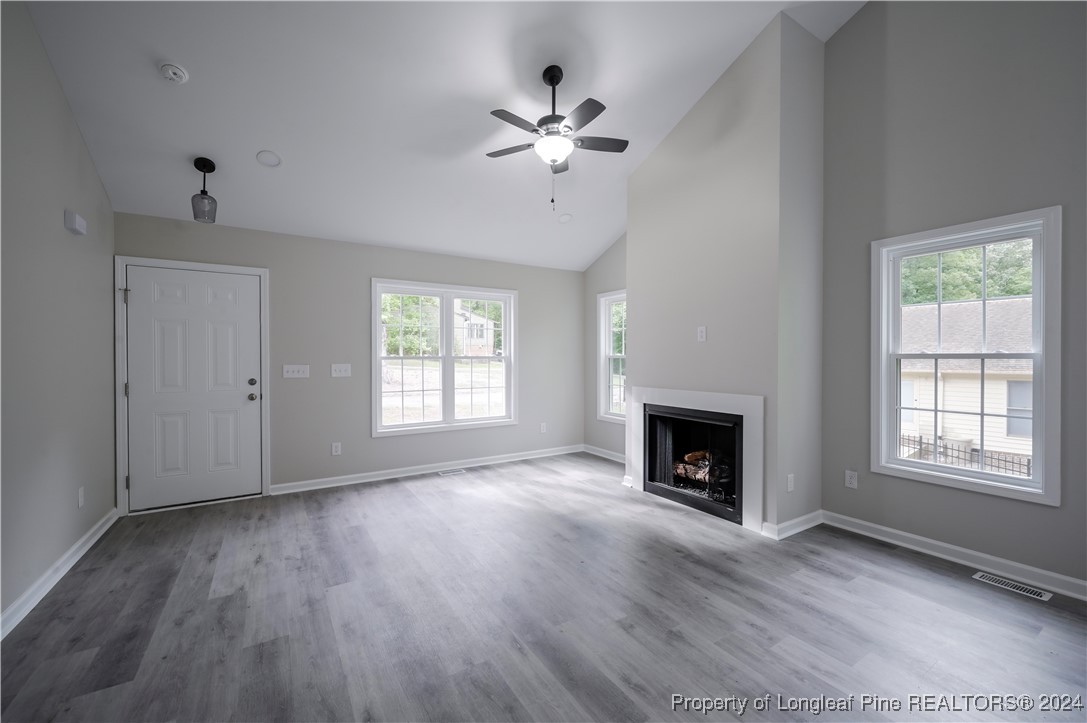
{"x":337,"y":449}
{"x":341,"y":370}
{"x":700,"y":333}
{"x":296,"y":371}
{"x":790,"y":483}
{"x":81,"y":497}
{"x":543,"y":427}
{"x":851,"y":479}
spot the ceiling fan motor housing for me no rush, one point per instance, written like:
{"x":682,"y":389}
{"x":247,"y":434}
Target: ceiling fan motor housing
{"x":551,"y":123}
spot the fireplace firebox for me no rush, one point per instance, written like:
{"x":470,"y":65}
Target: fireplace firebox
{"x":695,"y":457}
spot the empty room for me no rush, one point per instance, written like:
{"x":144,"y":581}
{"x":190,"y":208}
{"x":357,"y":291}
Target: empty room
{"x":543,"y":361}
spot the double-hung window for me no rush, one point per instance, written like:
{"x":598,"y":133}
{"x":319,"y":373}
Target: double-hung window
{"x":966,"y":356}
{"x":443,"y":357}
{"x":612,"y":374}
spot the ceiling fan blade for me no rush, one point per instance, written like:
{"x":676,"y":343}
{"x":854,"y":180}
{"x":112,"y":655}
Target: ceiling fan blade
{"x":511,"y":149}
{"x":561,"y":167}
{"x":515,"y":120}
{"x":583,"y":115}
{"x":595,"y":143}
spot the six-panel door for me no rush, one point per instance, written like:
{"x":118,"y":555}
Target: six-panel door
{"x":193,"y":364}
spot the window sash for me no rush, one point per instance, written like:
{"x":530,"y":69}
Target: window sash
{"x":980,"y":416}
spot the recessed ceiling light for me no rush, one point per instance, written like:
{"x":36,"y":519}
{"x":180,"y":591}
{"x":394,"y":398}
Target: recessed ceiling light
{"x":566,"y":218}
{"x":269,"y":158}
{"x":174,"y":73}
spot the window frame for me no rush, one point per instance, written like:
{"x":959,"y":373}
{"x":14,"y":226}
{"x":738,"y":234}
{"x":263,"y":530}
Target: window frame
{"x":604,"y":300}
{"x":447,"y":292}
{"x":1044,"y":225}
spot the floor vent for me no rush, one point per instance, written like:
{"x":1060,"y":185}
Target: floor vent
{"x":447,"y":472}
{"x":1013,"y":586}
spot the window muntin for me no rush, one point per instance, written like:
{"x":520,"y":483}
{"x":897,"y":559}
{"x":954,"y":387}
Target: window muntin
{"x":443,"y":357}
{"x":612,"y":325}
{"x":958,"y":327}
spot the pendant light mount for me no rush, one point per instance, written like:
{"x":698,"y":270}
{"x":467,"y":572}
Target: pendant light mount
{"x":205,"y":166}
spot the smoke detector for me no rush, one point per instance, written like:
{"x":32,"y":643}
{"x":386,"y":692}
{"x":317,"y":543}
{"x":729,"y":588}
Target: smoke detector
{"x":174,"y":73}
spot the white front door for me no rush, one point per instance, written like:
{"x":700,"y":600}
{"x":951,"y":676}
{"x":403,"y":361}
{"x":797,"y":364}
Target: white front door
{"x":194,"y":420}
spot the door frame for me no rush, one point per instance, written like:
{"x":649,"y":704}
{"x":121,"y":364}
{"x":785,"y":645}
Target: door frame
{"x":120,"y":364}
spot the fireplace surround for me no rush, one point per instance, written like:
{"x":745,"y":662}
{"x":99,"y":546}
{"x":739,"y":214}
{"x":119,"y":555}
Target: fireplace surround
{"x":750,"y":407}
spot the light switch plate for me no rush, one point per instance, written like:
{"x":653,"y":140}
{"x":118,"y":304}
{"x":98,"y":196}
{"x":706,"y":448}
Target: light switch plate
{"x":296,"y":371}
{"x":341,"y":370}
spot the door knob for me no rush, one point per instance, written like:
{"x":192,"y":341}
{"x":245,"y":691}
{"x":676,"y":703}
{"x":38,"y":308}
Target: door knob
{"x":252,"y":397}
{"x":252,"y":382}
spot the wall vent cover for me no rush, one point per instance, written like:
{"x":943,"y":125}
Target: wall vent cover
{"x":1013,"y":586}
{"x":447,"y":472}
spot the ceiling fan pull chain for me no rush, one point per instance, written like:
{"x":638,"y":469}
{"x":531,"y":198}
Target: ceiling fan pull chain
{"x":552,"y":193}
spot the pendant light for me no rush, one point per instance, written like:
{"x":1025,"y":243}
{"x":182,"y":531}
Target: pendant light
{"x":203,"y":205}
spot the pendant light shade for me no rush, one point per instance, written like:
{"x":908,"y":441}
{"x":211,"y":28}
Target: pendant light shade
{"x":203,"y":205}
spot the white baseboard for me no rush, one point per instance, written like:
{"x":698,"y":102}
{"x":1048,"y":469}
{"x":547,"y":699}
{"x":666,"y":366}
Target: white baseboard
{"x":1053,"y":581}
{"x":793,"y":526}
{"x":351,"y":479}
{"x":41,"y":587}
{"x":605,"y":453}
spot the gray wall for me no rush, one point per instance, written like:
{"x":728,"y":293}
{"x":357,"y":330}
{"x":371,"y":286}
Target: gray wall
{"x":320,"y":313}
{"x":707,"y":232}
{"x":57,"y":319}
{"x":938,"y":114}
{"x":607,"y":273}
{"x":800,"y":273}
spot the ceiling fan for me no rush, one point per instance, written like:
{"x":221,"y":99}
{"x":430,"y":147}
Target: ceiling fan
{"x":556,"y":140}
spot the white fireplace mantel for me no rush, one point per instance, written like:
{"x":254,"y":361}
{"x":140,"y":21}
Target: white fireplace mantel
{"x":750,"y":407}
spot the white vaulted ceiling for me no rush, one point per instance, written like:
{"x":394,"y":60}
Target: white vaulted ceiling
{"x":380,"y":111}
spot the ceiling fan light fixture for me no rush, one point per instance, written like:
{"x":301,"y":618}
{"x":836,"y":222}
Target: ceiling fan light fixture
{"x":204,"y":206}
{"x":553,"y":148}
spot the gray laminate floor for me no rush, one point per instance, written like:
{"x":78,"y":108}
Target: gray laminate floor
{"x":539,"y":590}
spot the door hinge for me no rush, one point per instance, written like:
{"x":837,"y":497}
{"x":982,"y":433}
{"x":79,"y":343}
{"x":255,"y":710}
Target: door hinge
{"x":126,"y":481}
{"x":126,"y":294}
{"x":126,"y":389}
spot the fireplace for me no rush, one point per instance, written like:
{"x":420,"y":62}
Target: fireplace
{"x":695,"y":457}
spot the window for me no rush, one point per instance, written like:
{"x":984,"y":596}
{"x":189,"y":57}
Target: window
{"x":613,"y":356}
{"x":966,"y":356}
{"x":443,"y":357}
{"x":1020,"y":408}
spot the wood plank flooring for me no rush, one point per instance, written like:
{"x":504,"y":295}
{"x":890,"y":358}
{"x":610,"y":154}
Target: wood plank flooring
{"x":540,"y":590}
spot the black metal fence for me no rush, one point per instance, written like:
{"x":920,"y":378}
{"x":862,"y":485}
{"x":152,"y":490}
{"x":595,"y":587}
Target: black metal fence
{"x":958,"y":455}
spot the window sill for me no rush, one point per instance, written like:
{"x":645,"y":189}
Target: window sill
{"x":614,"y":419}
{"x":442,"y":427}
{"x":947,"y":479}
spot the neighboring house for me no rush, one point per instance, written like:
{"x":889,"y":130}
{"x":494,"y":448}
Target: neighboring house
{"x":473,"y":334}
{"x":958,"y":388}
